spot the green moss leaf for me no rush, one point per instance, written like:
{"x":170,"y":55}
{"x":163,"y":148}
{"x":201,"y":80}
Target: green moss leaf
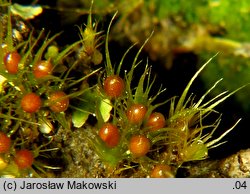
{"x":90,"y":103}
{"x":79,"y":118}
{"x":26,"y":12}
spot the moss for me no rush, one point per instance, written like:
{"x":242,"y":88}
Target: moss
{"x":71,"y":136}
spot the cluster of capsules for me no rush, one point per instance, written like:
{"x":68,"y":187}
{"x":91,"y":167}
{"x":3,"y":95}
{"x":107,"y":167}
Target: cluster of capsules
{"x":137,"y":136}
{"x":35,"y":91}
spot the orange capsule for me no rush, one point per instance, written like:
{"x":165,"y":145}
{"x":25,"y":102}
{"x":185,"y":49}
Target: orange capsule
{"x":110,"y":134}
{"x":5,"y":143}
{"x":139,"y":145}
{"x":11,"y":61}
{"x":161,"y":171}
{"x":42,"y":68}
{"x":136,"y":113}
{"x":58,"y":101}
{"x":114,"y":86}
{"x":24,"y":158}
{"x":31,"y":102}
{"x":155,"y":121}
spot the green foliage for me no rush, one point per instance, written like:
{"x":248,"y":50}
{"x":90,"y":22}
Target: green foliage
{"x":225,"y":26}
{"x":232,"y":15}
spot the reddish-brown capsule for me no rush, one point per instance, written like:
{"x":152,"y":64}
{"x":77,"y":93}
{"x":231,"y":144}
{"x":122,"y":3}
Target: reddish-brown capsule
{"x":110,"y":134}
{"x":139,"y":145}
{"x":58,"y":101}
{"x":42,"y":68}
{"x":11,"y":61}
{"x":136,"y":113}
{"x":155,"y":121}
{"x":24,"y":158}
{"x":4,"y":143}
{"x":114,"y":86}
{"x":31,"y":102}
{"x":161,"y":171}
